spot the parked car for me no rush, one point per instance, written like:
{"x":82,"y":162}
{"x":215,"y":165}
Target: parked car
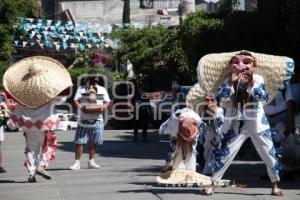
{"x":67,"y":121}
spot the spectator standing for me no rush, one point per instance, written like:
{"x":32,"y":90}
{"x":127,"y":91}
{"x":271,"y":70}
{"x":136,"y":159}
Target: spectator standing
{"x":142,"y":110}
{"x":5,"y":108}
{"x":91,"y":100}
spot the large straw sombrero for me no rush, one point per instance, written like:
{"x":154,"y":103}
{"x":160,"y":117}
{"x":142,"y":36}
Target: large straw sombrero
{"x":36,"y":80}
{"x":212,"y":70}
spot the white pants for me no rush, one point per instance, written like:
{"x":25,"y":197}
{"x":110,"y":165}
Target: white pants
{"x":188,"y":163}
{"x":34,"y":143}
{"x":263,"y":144}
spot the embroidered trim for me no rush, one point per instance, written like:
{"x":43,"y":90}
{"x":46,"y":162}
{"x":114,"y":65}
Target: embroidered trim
{"x":49,"y":124}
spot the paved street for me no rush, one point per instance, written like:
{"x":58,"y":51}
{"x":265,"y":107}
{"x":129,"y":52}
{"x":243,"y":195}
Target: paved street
{"x":128,"y":171}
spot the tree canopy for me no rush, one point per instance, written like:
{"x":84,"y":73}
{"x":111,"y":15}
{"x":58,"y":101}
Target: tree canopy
{"x":9,"y":11}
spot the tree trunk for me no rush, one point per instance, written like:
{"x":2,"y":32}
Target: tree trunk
{"x":126,"y":12}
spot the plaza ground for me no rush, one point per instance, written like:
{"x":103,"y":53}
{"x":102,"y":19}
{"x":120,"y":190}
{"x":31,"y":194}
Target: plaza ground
{"x":128,"y":171}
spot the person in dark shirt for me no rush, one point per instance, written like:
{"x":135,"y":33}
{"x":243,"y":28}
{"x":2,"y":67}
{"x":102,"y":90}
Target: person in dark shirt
{"x":141,"y":112}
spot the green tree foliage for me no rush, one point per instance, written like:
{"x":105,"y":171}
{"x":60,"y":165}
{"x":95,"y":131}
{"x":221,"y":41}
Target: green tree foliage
{"x":174,"y":57}
{"x":3,"y":66}
{"x":198,"y":34}
{"x":152,"y":51}
{"x":142,"y":47}
{"x":118,"y":76}
{"x":9,"y":11}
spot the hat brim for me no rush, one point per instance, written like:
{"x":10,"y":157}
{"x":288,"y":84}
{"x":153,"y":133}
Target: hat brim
{"x":178,"y":177}
{"x":35,"y":91}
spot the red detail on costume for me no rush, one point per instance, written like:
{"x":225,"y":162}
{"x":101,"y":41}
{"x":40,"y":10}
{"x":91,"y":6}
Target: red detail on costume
{"x":39,"y":124}
{"x":28,"y":124}
{"x":49,"y":124}
{"x":48,"y":148}
{"x":14,"y":118}
{"x":50,"y":145}
{"x":20,"y":122}
{"x":27,"y":164}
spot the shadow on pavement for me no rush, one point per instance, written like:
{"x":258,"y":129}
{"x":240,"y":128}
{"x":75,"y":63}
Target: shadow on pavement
{"x":165,"y":191}
{"x":11,"y":181}
{"x":59,"y":169}
{"x":245,"y":194}
{"x":251,"y":175}
{"x":150,"y":169}
{"x":155,"y":148}
{"x":156,"y":189}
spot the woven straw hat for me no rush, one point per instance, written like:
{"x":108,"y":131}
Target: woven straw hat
{"x":34,"y":81}
{"x":213,"y":69}
{"x":182,"y":177}
{"x":187,"y":128}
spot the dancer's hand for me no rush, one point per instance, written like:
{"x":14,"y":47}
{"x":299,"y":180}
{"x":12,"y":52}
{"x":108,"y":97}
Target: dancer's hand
{"x":248,"y":75}
{"x":166,"y":168}
{"x":212,"y":106}
{"x":234,"y":77}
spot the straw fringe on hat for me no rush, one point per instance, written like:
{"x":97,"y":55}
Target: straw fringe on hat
{"x":34,"y":81}
{"x":195,"y":97}
{"x":213,"y":69}
{"x":181,"y":177}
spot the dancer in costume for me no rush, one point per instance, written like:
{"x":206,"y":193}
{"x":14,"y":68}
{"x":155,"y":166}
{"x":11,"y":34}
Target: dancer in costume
{"x":37,"y":84}
{"x":242,"y":95}
{"x":213,"y":116}
{"x":184,"y":127}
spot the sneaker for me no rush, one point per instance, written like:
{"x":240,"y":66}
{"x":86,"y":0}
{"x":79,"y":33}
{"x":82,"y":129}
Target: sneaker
{"x":92,"y":164}
{"x":2,"y":170}
{"x":75,"y":166}
{"x":42,"y":172}
{"x":31,"y":179}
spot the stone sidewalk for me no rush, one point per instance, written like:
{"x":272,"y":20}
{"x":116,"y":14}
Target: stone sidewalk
{"x":128,"y":171}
